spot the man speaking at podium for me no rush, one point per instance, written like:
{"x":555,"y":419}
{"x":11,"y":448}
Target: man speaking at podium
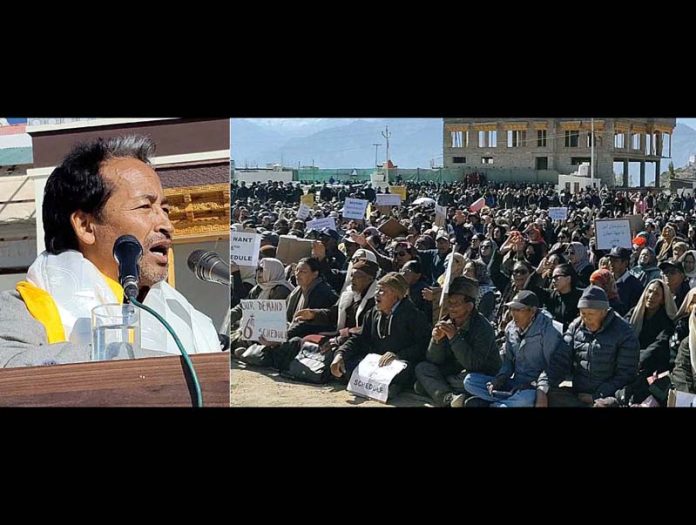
{"x":102,"y":190}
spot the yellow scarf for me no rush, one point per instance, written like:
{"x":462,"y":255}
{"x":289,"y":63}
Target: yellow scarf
{"x":43,"y":308}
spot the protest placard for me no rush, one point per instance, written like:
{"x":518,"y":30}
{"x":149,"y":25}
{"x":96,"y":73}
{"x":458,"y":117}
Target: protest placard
{"x":354,"y":208}
{"x":371,"y":380}
{"x":613,"y":232}
{"x":264,"y":318}
{"x":244,"y":248}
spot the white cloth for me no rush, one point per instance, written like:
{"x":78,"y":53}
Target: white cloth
{"x":77,"y":286}
{"x":348,"y":298}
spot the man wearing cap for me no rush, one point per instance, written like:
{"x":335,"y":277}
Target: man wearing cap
{"x":530,"y":343}
{"x":434,"y":260}
{"x":600,"y":356}
{"x":461,"y":344}
{"x":394,"y":329}
{"x":676,"y":279}
{"x":331,"y":258}
{"x":629,"y":287}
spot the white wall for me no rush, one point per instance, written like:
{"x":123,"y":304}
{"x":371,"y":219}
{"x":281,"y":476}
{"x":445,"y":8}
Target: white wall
{"x":262,"y":176}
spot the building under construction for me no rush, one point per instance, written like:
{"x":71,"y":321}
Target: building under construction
{"x":560,"y":145}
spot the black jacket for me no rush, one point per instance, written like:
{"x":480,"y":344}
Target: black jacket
{"x":473,"y":348}
{"x":599,"y":363}
{"x":405,"y":333}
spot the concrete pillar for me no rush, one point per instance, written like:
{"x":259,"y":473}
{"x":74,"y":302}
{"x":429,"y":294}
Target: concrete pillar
{"x":657,"y":173}
{"x":625,"y":173}
{"x":642,"y":173}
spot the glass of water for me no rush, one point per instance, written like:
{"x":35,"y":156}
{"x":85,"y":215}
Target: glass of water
{"x":115,"y":332}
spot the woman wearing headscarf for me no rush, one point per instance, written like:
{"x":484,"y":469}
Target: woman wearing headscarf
{"x":684,"y":368}
{"x":605,"y":280}
{"x":646,"y":270}
{"x":485,"y":303}
{"x":664,"y":246}
{"x":578,"y":257}
{"x":679,"y":248}
{"x":271,"y":284}
{"x":653,"y":321}
{"x":688,"y":261}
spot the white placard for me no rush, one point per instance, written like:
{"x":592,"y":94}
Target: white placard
{"x":558,"y":214}
{"x":388,"y":199}
{"x":303,"y":212}
{"x":319,"y":224}
{"x":354,"y":208}
{"x":244,"y":248}
{"x":613,"y":232}
{"x":684,"y":399}
{"x":371,"y":380}
{"x":264,"y":317}
{"x":440,"y":215}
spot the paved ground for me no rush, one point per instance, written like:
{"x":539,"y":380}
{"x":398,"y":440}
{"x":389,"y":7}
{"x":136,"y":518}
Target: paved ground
{"x":263,"y":387}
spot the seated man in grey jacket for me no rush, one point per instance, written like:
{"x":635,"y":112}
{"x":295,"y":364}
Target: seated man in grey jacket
{"x":101,"y":191}
{"x":462,"y":343}
{"x":601,"y":355}
{"x":530,"y":342}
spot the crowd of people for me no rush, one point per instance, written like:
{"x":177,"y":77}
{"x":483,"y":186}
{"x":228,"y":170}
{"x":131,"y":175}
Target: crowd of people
{"x":492,"y":304}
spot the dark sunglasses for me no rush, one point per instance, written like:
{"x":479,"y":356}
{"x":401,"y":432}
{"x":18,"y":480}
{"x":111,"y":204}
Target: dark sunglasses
{"x":557,"y":276}
{"x":401,"y":254}
{"x":520,"y":272}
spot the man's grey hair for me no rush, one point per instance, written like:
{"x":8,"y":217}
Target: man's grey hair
{"x":135,"y":146}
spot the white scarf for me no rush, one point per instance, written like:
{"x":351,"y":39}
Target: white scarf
{"x":692,"y":339}
{"x":347,"y":298}
{"x":77,"y":286}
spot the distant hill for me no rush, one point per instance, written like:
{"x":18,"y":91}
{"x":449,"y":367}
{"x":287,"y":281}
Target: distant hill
{"x":348,"y":143}
{"x":413,"y":143}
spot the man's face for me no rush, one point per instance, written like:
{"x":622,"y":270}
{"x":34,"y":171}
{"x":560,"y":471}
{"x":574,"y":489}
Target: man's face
{"x":593,"y":318}
{"x":618,"y":266}
{"x":137,"y":206}
{"x":644,"y":258}
{"x":385,"y":298}
{"x":522,"y":316}
{"x":443,"y":245}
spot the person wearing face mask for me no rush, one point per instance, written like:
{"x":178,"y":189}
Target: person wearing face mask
{"x":600,"y":356}
{"x":394,"y":329}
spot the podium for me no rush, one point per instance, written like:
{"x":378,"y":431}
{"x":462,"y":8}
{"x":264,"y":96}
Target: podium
{"x":147,"y":382}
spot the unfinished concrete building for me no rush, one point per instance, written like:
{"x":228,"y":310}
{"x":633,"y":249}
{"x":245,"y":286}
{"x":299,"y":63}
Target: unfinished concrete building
{"x":560,"y":145}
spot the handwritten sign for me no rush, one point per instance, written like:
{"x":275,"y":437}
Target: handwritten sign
{"x":388,"y":199}
{"x":354,"y":208}
{"x":307,"y":199}
{"x":319,"y":224}
{"x":264,"y":318}
{"x":244,"y":248}
{"x":399,"y":190}
{"x":303,"y":212}
{"x":558,"y":214}
{"x":371,"y":380}
{"x":613,"y":232}
{"x":440,"y":215}
{"x":448,"y":278}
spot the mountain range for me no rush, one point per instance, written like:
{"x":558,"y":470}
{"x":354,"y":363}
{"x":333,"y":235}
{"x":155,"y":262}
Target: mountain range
{"x":349,"y":142}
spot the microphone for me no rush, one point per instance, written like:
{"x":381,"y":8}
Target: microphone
{"x":127,"y":252}
{"x":208,"y":266}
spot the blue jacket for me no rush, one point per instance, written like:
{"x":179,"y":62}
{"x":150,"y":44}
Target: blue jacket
{"x":529,"y":356}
